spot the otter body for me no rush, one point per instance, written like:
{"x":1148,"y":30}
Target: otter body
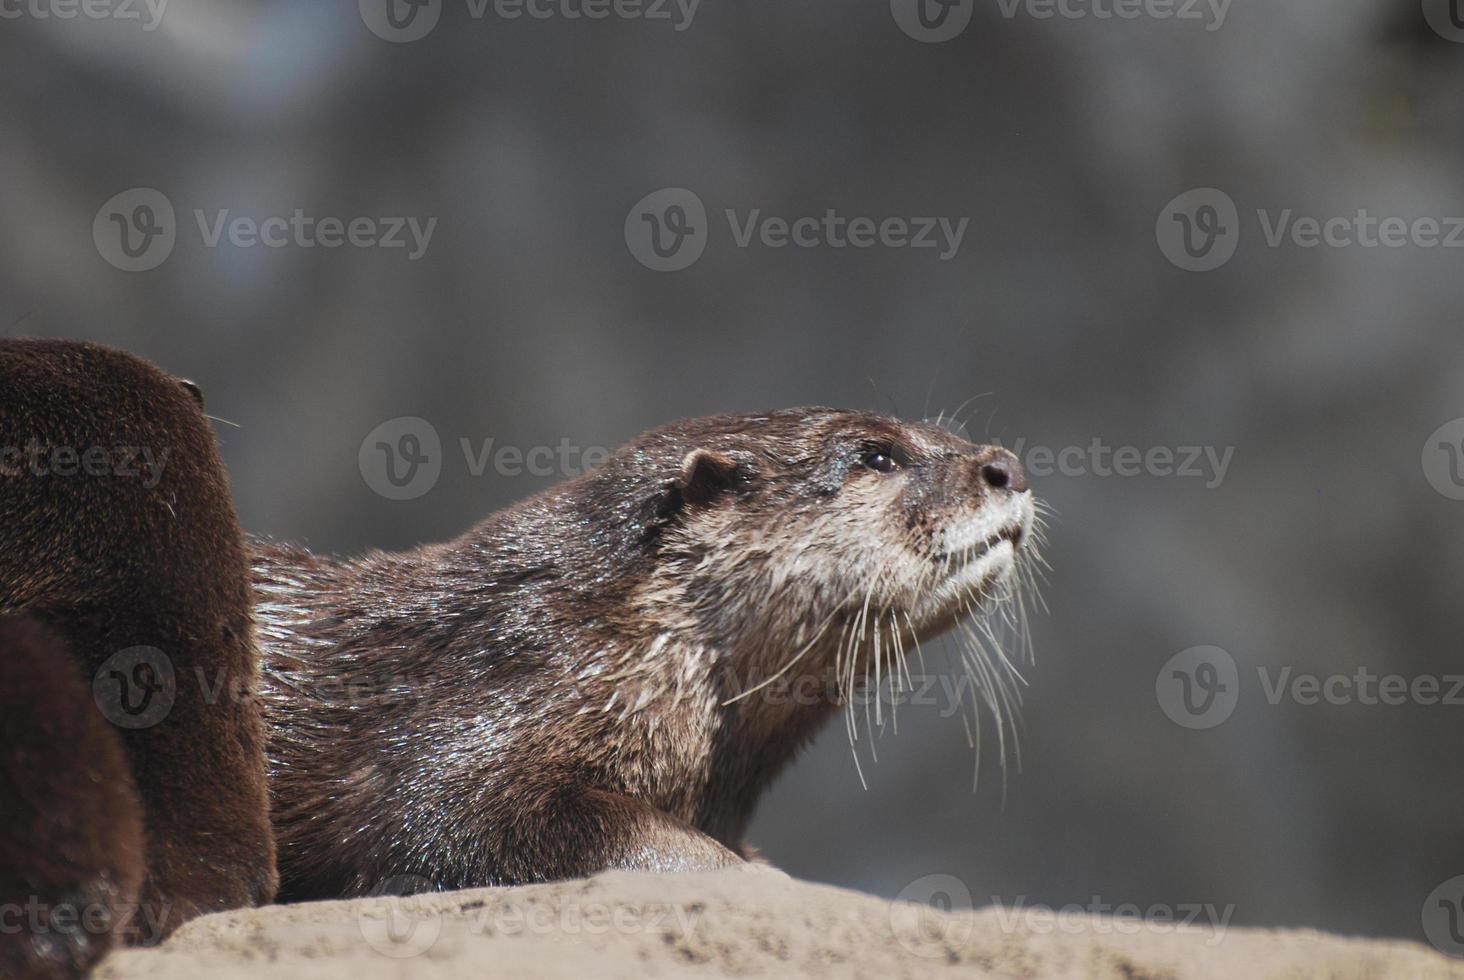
{"x":585,"y":679}
{"x":132,"y":760}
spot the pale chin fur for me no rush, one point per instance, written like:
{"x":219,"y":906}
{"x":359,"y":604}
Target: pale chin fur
{"x":982,"y":562}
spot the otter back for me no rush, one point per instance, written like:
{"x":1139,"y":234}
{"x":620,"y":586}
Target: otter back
{"x":124,"y":582}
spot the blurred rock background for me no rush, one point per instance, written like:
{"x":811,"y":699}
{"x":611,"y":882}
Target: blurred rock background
{"x":529,"y":321}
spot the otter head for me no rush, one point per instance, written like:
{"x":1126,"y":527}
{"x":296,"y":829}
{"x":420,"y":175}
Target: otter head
{"x":826,"y":542}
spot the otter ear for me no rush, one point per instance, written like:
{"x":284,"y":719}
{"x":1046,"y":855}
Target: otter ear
{"x":705,"y":475}
{"x":193,"y":390}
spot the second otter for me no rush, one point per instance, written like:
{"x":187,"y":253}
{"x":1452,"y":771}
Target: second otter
{"x":573,"y":684}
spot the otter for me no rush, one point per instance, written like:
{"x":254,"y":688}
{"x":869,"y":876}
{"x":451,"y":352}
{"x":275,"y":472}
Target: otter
{"x":132,"y":767}
{"x":582,"y":680}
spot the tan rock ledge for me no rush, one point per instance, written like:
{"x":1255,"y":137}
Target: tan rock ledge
{"x":744,"y":923}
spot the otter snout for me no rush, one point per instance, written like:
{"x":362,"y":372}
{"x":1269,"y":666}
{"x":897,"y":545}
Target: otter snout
{"x":1001,"y":470}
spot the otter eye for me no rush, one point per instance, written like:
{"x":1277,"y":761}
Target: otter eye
{"x":880,"y":462}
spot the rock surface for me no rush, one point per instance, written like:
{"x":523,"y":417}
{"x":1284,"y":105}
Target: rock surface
{"x":733,"y":923}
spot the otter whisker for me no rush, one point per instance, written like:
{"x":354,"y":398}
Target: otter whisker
{"x":987,"y":684}
{"x":786,"y":667}
{"x":920,"y":654}
{"x":878,"y":667}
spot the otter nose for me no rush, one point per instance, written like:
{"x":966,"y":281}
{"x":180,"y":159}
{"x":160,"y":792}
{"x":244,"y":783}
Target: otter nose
{"x":1004,"y":472}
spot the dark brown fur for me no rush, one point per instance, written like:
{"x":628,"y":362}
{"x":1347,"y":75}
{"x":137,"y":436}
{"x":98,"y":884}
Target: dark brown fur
{"x":111,"y":556}
{"x":554,"y":692}
{"x":71,"y":856}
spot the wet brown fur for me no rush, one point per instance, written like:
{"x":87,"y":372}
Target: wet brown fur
{"x":556,"y":692}
{"x":173,"y":815}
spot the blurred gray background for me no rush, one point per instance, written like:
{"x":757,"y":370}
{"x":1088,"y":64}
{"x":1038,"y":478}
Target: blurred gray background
{"x":529,"y":320}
